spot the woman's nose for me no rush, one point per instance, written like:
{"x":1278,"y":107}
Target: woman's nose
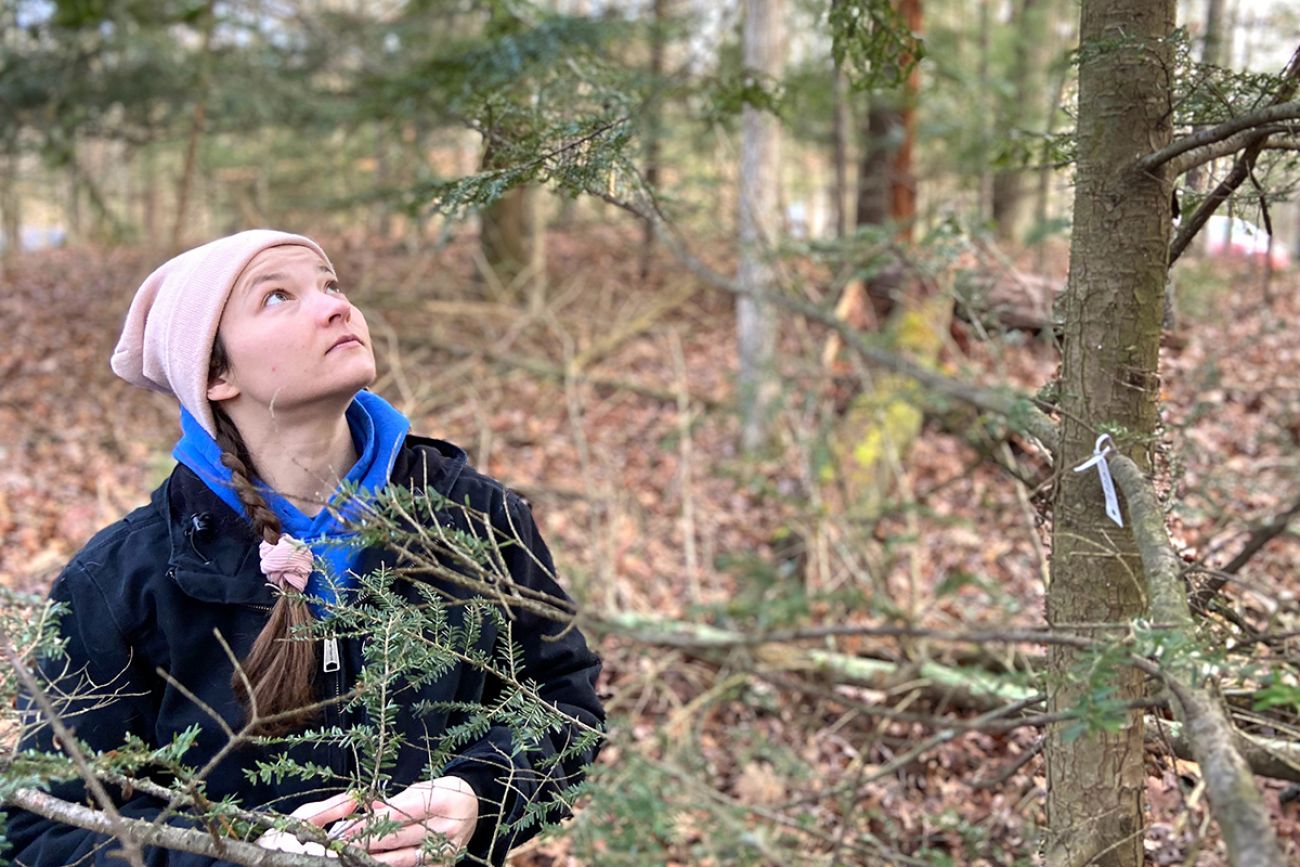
{"x":334,"y":305}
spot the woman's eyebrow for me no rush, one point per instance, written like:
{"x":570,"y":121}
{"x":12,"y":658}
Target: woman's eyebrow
{"x":264,"y":278}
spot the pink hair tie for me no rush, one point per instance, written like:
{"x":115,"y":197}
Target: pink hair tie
{"x":288,"y":561}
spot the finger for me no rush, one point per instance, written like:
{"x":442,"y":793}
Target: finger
{"x":409,"y":857}
{"x":446,"y":832}
{"x":408,"y":835}
{"x":321,"y":813}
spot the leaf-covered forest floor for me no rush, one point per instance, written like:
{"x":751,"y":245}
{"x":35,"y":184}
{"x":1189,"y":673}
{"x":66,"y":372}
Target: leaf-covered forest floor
{"x":633,"y":474}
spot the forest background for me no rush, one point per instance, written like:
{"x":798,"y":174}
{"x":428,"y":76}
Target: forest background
{"x":790,"y":317}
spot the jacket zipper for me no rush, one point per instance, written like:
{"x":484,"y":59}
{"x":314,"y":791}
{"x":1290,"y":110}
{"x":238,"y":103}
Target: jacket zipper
{"x":331,"y":655}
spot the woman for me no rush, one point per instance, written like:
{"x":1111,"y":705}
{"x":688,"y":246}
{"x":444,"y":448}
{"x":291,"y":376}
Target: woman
{"x":268,"y":360}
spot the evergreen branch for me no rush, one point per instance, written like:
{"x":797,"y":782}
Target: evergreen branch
{"x":1224,"y":132}
{"x":1241,"y":169}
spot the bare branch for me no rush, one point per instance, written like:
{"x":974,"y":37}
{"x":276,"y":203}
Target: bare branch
{"x":141,"y":831}
{"x":1250,"y":121}
{"x":1235,"y":799}
{"x":1230,"y":145}
{"x":130,"y":848}
{"x":1259,"y":537}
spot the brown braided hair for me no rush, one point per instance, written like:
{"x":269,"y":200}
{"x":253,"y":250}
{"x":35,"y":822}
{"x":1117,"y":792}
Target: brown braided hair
{"x":279,"y":667}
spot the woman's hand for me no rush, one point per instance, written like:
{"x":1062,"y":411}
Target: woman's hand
{"x":447,"y":806}
{"x":318,"y":813}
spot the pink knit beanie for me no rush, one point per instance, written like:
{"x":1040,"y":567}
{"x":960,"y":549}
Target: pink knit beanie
{"x":167,"y":340}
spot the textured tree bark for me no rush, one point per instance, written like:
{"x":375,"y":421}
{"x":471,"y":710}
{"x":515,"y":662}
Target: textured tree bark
{"x":760,"y":176}
{"x":1113,"y":308}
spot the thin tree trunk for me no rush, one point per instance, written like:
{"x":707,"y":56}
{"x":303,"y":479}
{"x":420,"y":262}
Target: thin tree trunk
{"x":196,"y":125}
{"x":760,"y":165}
{"x":10,"y":206}
{"x":512,"y":237}
{"x":653,"y":122}
{"x":1042,"y":195}
{"x":1026,"y":75}
{"x":840,"y":155}
{"x":992,"y":109}
{"x":1109,"y":380}
{"x":902,"y":179}
{"x":1211,"y":54}
{"x":873,"y":172}
{"x":74,"y":191}
{"x":149,"y":193}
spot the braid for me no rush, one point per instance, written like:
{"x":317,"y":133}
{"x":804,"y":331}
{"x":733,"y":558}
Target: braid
{"x":235,"y":457}
{"x":280,"y":665}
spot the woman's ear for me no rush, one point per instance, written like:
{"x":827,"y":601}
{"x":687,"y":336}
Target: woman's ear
{"x":222,"y":387}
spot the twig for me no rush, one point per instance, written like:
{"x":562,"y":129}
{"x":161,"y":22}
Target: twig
{"x":1259,"y":537}
{"x":1010,"y":770}
{"x":112,"y":818}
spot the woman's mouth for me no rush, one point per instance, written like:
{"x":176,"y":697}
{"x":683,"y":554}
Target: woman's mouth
{"x":346,"y":341}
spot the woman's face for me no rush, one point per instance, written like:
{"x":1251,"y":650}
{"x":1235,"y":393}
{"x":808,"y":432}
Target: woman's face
{"x":291,"y":336}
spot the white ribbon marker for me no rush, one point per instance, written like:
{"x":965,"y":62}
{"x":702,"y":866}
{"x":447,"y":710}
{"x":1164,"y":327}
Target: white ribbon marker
{"x":1098,"y":460}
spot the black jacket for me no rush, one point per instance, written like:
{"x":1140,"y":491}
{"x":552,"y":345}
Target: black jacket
{"x":148,"y":592}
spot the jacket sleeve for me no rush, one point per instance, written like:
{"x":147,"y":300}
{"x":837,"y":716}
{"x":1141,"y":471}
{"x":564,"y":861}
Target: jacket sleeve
{"x":102,"y":694}
{"x":508,"y":777}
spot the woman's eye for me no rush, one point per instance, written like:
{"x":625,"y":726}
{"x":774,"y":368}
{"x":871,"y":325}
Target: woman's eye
{"x":269,"y":301}
{"x":334,"y":287}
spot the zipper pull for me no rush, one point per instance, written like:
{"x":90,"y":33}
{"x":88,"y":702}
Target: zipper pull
{"x":331,"y":654}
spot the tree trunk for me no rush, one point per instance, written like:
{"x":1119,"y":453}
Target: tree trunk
{"x":10,"y":206}
{"x":990,"y":110}
{"x":1026,"y":75}
{"x":1211,"y":54}
{"x":760,"y":178}
{"x":653,"y":121}
{"x":514,"y":242}
{"x":1042,"y":194}
{"x":196,"y":126}
{"x":1113,"y":307}
{"x":873,"y":171}
{"x":902,"y":180}
{"x":1212,"y":44}
{"x":840,"y":155}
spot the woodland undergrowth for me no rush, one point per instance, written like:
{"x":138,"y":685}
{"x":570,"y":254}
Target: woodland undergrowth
{"x":608,"y":407}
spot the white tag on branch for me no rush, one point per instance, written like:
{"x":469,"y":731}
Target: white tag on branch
{"x":1099,"y":451}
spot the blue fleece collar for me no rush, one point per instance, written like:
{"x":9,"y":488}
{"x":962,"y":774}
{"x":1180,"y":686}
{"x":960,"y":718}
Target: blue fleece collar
{"x":378,"y":431}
